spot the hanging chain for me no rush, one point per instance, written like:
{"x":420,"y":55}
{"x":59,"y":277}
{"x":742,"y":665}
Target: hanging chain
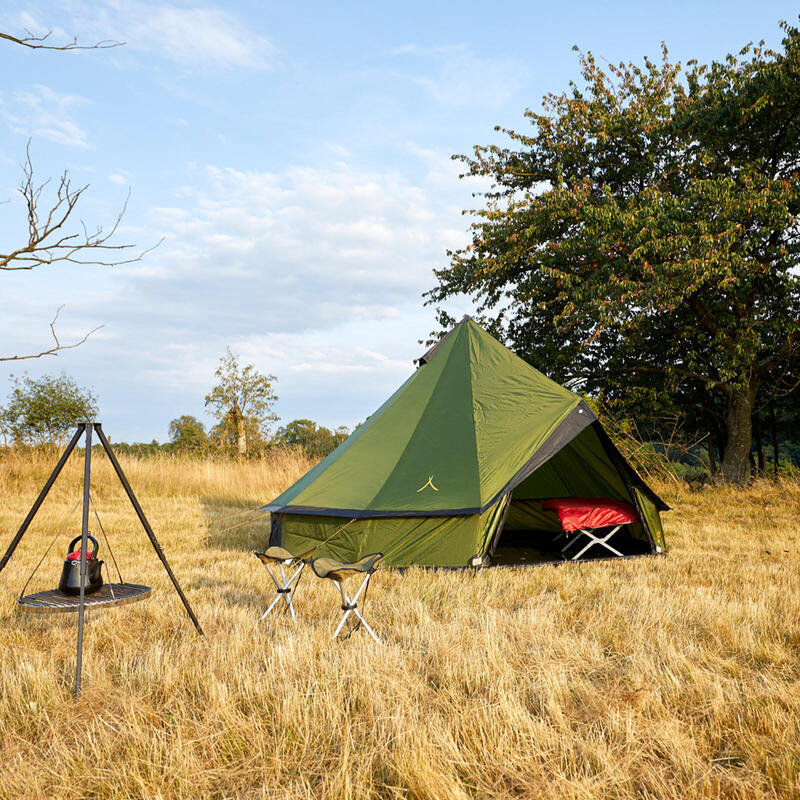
{"x":105,"y":538}
{"x":50,"y":547}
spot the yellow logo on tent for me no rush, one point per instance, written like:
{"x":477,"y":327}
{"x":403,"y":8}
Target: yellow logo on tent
{"x":428,"y":483}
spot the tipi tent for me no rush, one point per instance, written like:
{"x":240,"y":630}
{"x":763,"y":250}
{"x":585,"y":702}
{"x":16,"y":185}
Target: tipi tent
{"x":453,"y":467}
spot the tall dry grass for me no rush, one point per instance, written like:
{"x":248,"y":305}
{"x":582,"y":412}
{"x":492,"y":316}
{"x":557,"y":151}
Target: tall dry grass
{"x":673,"y":677}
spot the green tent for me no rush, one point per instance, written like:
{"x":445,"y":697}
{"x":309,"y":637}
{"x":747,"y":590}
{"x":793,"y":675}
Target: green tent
{"x":452,"y":468}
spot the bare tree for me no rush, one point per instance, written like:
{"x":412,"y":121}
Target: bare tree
{"x":54,"y":235}
{"x":48,"y":239}
{"x":57,"y":347}
{"x":43,"y":42}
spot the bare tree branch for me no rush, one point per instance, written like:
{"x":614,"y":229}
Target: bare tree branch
{"x":48,"y":242}
{"x":57,"y":347}
{"x":41,"y":42}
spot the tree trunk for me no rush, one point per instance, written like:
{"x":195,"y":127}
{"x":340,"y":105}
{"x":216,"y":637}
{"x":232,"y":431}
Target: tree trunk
{"x":760,"y":464}
{"x":721,"y":442}
{"x":241,"y":435}
{"x":739,"y":424}
{"x":712,"y":461}
{"x":774,"y":431}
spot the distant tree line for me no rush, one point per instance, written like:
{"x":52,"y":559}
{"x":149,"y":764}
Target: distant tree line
{"x":44,"y":411}
{"x":188,"y":436}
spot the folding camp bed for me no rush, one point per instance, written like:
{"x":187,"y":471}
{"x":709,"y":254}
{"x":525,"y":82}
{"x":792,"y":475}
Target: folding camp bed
{"x":274,"y":557}
{"x":337,"y":571}
{"x":588,"y":517}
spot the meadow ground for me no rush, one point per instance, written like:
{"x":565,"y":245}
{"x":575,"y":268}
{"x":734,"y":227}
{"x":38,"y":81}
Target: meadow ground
{"x":674,"y":677}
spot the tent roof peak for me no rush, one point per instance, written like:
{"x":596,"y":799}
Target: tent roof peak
{"x":432,"y":350}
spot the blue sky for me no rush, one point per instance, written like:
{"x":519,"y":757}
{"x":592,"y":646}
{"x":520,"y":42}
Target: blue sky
{"x":295,"y":158}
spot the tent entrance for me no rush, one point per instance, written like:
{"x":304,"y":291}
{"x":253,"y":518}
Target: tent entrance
{"x":531,"y":535}
{"x":582,"y":468}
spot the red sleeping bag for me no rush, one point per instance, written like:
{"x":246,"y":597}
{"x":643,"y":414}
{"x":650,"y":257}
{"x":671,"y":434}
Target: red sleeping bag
{"x":590,"y":512}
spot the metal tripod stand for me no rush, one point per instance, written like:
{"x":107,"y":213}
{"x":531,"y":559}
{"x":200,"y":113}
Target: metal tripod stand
{"x":85,"y":429}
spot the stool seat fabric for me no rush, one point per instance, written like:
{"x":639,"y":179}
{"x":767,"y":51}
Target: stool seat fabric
{"x":276,"y":554}
{"x":281,"y":560}
{"x":336,"y":570}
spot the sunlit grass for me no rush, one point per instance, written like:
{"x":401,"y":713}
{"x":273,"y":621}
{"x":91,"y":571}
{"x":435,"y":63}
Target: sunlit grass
{"x":674,"y":677}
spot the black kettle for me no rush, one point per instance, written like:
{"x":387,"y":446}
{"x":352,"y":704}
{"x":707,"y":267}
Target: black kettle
{"x":70,"y":582}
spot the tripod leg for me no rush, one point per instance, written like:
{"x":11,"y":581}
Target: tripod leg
{"x":145,"y":524}
{"x":87,"y":476}
{"x":40,"y":499}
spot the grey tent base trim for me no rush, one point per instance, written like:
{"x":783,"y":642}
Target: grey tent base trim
{"x":354,"y":513}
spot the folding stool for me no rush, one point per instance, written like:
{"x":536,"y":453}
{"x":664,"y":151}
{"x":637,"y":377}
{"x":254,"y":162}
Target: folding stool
{"x":283,"y":560}
{"x":337,"y":571}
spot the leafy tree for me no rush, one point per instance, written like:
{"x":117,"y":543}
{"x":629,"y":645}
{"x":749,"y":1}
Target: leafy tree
{"x":44,"y":410}
{"x":188,"y":435}
{"x":641,"y":239}
{"x":242,"y":401}
{"x":315,"y":439}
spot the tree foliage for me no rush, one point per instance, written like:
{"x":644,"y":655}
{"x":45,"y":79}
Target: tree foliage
{"x":242,"y":401}
{"x":44,"y":410}
{"x":315,"y":439}
{"x":640,"y":241}
{"x":188,"y":436}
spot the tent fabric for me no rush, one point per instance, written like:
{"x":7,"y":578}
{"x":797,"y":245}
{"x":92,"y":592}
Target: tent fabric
{"x":493,"y":411}
{"x":434,"y":475}
{"x":576,"y":513}
{"x":405,"y":541}
{"x":529,"y":515}
{"x":649,"y":511}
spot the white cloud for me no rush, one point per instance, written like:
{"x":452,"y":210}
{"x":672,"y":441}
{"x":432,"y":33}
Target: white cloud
{"x":306,"y":247}
{"x":457,"y":76}
{"x":115,"y":177}
{"x":44,"y":113}
{"x":312,"y":274}
{"x":204,"y":37}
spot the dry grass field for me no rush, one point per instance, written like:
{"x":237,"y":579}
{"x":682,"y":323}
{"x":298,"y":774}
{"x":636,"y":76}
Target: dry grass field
{"x":674,"y":677}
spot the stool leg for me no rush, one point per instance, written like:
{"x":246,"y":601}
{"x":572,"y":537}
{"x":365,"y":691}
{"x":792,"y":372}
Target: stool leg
{"x":363,"y":587}
{"x":271,"y":606}
{"x":364,"y":623}
{"x":287,"y":595}
{"x":284,"y":589}
{"x":278,"y":587}
{"x":347,"y":607}
{"x":295,"y":579}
